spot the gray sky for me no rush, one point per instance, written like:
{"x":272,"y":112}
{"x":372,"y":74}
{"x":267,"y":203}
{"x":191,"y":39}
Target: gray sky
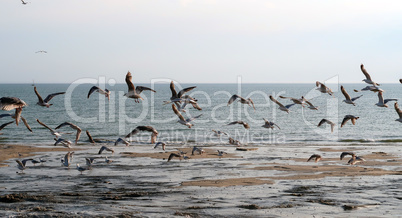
{"x":200,"y":41}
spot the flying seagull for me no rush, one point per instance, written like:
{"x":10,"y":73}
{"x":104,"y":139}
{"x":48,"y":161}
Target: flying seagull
{"x":144,"y":128}
{"x":103,"y":148}
{"x":45,"y":103}
{"x":41,"y":51}
{"x":65,"y":142}
{"x":349,"y":117}
{"x":161,"y":144}
{"x":349,"y":100}
{"x":219,"y":133}
{"x":22,"y":164}
{"x":281,"y":107}
{"x":311,"y":106}
{"x":177,"y":97}
{"x":105,"y":92}
{"x":135,"y":92}
{"x":372,"y":88}
{"x":241,"y":100}
{"x":9,"y":103}
{"x":368,"y":78}
{"x":183,"y":121}
{"x":269,"y":124}
{"x":300,"y":101}
{"x":323,"y":88}
{"x":383,"y":102}
{"x":55,"y":133}
{"x":198,"y":150}
{"x":315,"y":157}
{"x":73,"y":127}
{"x":328,"y":122}
{"x":172,"y":155}
{"x":245,"y":125}
{"x":120,"y":140}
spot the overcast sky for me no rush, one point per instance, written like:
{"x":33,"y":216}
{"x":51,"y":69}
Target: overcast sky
{"x":200,"y":41}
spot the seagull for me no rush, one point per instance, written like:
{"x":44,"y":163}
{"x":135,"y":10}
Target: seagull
{"x":89,"y":161}
{"x":57,"y":134}
{"x":343,"y":154}
{"x":65,"y":142}
{"x":172,"y":155}
{"x":188,"y":100}
{"x":107,"y":160}
{"x":22,"y":164}
{"x":73,"y":127}
{"x":241,"y":100}
{"x":144,"y":128}
{"x":181,"y":118}
{"x":199,"y":150}
{"x":355,"y":160}
{"x":245,"y":125}
{"x":68,"y":158}
{"x":24,"y":3}
{"x":177,"y":97}
{"x":160,"y":143}
{"x":349,"y":117}
{"x":269,"y":124}
{"x":81,"y":169}
{"x":295,"y":100}
{"x":370,"y":88}
{"x":41,"y":51}
{"x":135,"y":92}
{"x":90,"y":137}
{"x":323,"y":88}
{"x":317,"y":158}
{"x":45,"y":103}
{"x":219,"y":133}
{"x":281,"y":107}
{"x":9,"y":103}
{"x":221,"y":153}
{"x":328,"y":122}
{"x":383,"y":102}
{"x":4,"y":125}
{"x":21,"y":117}
{"x":120,"y":140}
{"x":368,"y":78}
{"x":105,"y":148}
{"x":399,"y":111}
{"x":234,"y":142}
{"x":35,"y":161}
{"x":349,"y":100}
{"x":105,"y":92}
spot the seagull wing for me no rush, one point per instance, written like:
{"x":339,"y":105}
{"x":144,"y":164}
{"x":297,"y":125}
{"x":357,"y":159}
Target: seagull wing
{"x":49,"y":97}
{"x":398,"y":110}
{"x":135,"y":131}
{"x":9,"y":103}
{"x":365,"y":72}
{"x":345,"y":93}
{"x":276,"y":101}
{"x":388,"y":100}
{"x":345,"y":119}
{"x":177,"y":112}
{"x":51,"y":130}
{"x":5,"y":124}
{"x":343,"y":154}
{"x":185,"y":90}
{"x":129,"y":83}
{"x":38,"y":95}
{"x":93,"y":89}
{"x":173,"y":90}
{"x":233,"y":98}
{"x":26,"y":123}
{"x":252,"y":103}
{"x":139,"y":89}
{"x":193,"y":118}
{"x":90,"y":137}
{"x":355,"y":98}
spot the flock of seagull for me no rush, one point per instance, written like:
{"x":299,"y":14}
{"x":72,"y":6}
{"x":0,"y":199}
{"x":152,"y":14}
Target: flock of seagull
{"x":179,"y":101}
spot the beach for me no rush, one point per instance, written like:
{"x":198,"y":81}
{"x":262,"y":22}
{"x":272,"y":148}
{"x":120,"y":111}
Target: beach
{"x":271,"y":181}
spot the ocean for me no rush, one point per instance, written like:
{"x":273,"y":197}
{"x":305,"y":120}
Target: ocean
{"x":109,"y":120}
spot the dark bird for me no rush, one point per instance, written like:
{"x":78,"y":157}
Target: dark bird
{"x":145,"y":128}
{"x":245,"y":125}
{"x":172,"y":155}
{"x":328,"y":122}
{"x":398,"y":111}
{"x":73,"y":127}
{"x":22,"y":164}
{"x":103,"y":148}
{"x":349,"y":117}
{"x":316,"y":158}
{"x":45,"y":103}
{"x":241,"y":100}
{"x":135,"y":92}
{"x":4,"y":125}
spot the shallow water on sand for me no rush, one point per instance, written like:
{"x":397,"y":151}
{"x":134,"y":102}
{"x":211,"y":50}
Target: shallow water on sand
{"x":143,"y":186}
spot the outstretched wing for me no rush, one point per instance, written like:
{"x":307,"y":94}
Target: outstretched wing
{"x":37,"y":120}
{"x":93,"y":89}
{"x":345,"y":93}
{"x":355,"y":98}
{"x":135,"y":131}
{"x":5,"y":124}
{"x":173,"y":90}
{"x":26,"y":123}
{"x":276,"y":101}
{"x":177,"y":112}
{"x":49,"y":97}
{"x":185,"y":90}
{"x":398,"y":110}
{"x":129,"y":83}
{"x":233,"y":98}
{"x":139,"y":89}
{"x":365,"y":72}
{"x":38,"y":95}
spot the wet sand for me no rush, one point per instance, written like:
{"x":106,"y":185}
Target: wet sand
{"x":270,"y":181}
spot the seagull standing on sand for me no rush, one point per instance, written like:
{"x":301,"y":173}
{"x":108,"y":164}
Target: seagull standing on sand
{"x":399,"y":111}
{"x":9,"y":103}
{"x":315,"y":157}
{"x":68,"y":158}
{"x":221,"y":153}
{"x":328,"y":122}
{"x":323,"y":88}
{"x":281,"y":107}
{"x":269,"y":124}
{"x":183,"y":121}
{"x":22,"y":164}
{"x":245,"y":125}
{"x":241,"y":100}
{"x":161,"y":144}
{"x":81,"y":169}
{"x":349,"y":100}
{"x":349,"y":117}
{"x":383,"y":102}
{"x":105,"y":92}
{"x":145,"y":128}
{"x":45,"y":103}
{"x":135,"y":92}
{"x":73,"y":127}
{"x":368,"y":77}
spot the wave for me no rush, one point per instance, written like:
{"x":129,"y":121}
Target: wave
{"x":371,"y":140}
